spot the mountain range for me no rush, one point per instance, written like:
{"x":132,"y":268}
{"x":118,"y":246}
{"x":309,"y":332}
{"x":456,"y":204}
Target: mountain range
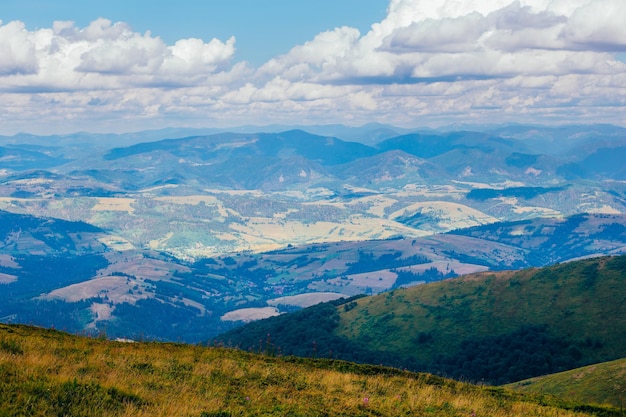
{"x":180,"y":238}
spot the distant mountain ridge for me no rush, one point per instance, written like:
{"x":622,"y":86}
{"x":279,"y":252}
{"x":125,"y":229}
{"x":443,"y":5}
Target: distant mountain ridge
{"x":524,"y":155}
{"x":472,"y":156}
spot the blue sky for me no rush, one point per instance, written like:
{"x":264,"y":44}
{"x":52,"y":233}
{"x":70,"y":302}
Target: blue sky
{"x":120,"y":66}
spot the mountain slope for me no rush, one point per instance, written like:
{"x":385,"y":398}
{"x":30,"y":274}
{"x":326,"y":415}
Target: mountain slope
{"x":27,"y":157}
{"x":324,"y":150}
{"x":558,"y":239}
{"x":497,"y":327}
{"x":429,"y":146}
{"x":603,"y":163}
{"x":602,"y":383}
{"x":49,"y":373}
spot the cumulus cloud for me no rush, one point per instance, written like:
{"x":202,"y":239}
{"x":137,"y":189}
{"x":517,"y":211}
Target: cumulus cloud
{"x":598,"y":25}
{"x":485,"y":54}
{"x":17,"y":50}
{"x":449,"y":39}
{"x":320,"y":55}
{"x":103,"y":55}
{"x":444,"y":35}
{"x":426,"y":62}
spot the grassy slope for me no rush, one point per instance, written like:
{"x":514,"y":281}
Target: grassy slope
{"x":45,"y":372}
{"x":603,"y":383}
{"x":582,"y":301}
{"x":496,"y":327}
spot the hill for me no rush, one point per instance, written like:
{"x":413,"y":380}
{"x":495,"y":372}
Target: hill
{"x":49,"y":373}
{"x":495,"y":326}
{"x":602,"y":383}
{"x":77,"y":277}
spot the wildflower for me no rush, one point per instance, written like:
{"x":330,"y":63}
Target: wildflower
{"x":366,"y":400}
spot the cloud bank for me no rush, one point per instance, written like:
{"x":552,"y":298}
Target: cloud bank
{"x":427,"y":63}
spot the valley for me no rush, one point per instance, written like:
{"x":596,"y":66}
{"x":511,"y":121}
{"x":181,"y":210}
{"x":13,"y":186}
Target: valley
{"x":193,"y":236}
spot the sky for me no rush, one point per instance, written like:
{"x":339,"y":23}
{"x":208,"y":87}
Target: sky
{"x":118,"y":66}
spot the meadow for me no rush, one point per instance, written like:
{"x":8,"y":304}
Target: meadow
{"x":50,"y":373}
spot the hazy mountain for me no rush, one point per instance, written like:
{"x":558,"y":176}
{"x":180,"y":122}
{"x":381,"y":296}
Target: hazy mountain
{"x":27,"y":158}
{"x":325,"y":150}
{"x":428,"y":146}
{"x":606,"y":163}
{"x":213,"y":160}
{"x":390,"y":168}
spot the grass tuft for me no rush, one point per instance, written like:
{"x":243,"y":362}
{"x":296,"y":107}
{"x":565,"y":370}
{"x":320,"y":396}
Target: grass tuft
{"x":11,"y":346}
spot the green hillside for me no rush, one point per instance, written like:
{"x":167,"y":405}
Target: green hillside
{"x":493,"y":327}
{"x":49,"y":373}
{"x":602,"y":383}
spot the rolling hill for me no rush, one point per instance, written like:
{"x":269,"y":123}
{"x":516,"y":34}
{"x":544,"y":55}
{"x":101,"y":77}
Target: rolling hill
{"x":601,"y":383}
{"x":495,"y":326}
{"x":80,"y":278}
{"x":49,"y":373}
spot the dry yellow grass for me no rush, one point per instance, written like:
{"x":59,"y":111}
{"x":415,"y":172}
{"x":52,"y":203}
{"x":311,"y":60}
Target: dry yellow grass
{"x":114,"y":204}
{"x":45,"y":372}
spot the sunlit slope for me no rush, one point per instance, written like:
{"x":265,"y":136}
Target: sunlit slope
{"x":602,"y":383}
{"x":48,"y":373}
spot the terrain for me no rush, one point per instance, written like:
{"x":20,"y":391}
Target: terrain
{"x":199,"y":196}
{"x":50,"y":373}
{"x":68,"y":274}
{"x":601,"y":383}
{"x":166,"y":237}
{"x":494,"y":327}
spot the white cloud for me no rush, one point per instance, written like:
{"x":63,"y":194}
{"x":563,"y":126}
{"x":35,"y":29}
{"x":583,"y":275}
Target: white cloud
{"x":598,"y":25}
{"x":427,"y":62}
{"x":321,"y":55}
{"x":193,"y":56}
{"x":126,"y":55}
{"x":459,"y":34}
{"x":500,"y":38}
{"x":17,"y":50}
{"x":103,"y":55}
